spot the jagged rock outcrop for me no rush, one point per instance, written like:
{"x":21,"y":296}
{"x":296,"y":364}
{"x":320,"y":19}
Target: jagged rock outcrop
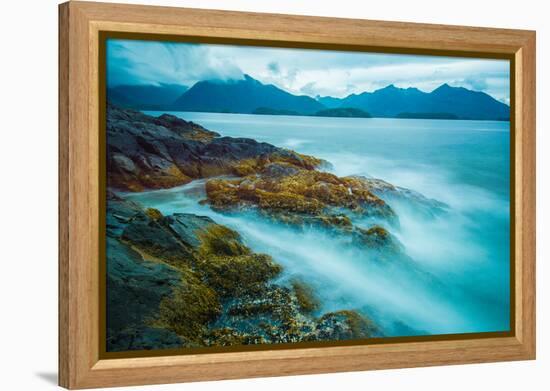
{"x":183,"y":280}
{"x":145,"y":152}
{"x":389,"y":193}
{"x":278,"y":188}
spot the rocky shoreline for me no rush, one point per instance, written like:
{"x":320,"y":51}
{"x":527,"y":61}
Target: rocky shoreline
{"x":182,"y":280}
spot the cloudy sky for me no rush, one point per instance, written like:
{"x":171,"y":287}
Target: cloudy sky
{"x":299,"y":71}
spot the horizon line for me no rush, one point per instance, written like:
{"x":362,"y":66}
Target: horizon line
{"x":315,"y":97}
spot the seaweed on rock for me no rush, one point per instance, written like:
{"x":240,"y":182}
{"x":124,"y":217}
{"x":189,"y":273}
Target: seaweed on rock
{"x":209,"y":288}
{"x":184,"y":280}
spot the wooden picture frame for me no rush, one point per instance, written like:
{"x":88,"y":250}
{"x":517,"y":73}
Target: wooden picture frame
{"x":80,"y":166}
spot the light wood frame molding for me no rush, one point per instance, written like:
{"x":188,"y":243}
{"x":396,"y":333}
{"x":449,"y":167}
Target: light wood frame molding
{"x":80,"y":365}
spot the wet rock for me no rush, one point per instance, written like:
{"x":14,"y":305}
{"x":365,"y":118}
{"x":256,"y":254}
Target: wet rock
{"x":305,"y":196}
{"x":218,"y":240}
{"x":227,"y":336}
{"x":189,"y":309}
{"x":338,"y":223}
{"x":307,"y":301}
{"x":376,"y":237}
{"x":141,"y":337}
{"x":124,"y":163}
{"x":145,"y":152}
{"x":154,"y":238}
{"x":153,"y":214}
{"x":186,"y":129}
{"x":187,"y":226}
{"x":279,"y":170}
{"x":135,"y":289}
{"x":119,"y":213}
{"x":238,"y":275}
{"x":345,"y":325}
{"x":183,"y":280}
{"x":427,"y":206}
{"x":273,"y":314}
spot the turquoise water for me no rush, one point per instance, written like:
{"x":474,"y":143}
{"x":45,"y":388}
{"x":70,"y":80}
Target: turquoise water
{"x":465,"y":251}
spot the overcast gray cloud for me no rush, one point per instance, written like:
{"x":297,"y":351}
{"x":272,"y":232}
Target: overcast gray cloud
{"x":300,"y":71}
{"x":141,"y":62}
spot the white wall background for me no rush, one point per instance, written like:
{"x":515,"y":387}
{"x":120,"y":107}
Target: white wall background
{"x":28,"y":197}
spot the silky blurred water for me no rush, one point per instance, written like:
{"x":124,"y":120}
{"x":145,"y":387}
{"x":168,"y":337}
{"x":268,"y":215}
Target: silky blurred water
{"x":465,"y":252}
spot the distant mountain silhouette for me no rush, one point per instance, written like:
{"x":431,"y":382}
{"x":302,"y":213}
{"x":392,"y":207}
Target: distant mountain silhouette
{"x":250,"y":96}
{"x":330,"y":102}
{"x":145,"y":97}
{"x":427,"y":115}
{"x":349,"y":112}
{"x":270,"y":111}
{"x":453,"y":101}
{"x":242,"y":96}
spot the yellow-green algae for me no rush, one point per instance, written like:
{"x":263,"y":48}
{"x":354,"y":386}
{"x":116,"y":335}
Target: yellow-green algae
{"x":357,"y":326}
{"x":220,"y":240}
{"x":307,"y":301}
{"x":222,"y":267}
{"x":221,"y":278}
{"x":305,"y":191}
{"x":153,"y":213}
{"x":189,"y":308}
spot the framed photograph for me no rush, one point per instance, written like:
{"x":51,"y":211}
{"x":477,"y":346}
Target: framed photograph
{"x":247,"y":195}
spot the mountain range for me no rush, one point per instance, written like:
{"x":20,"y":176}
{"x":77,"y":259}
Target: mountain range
{"x":249,"y":95}
{"x":394,"y":102}
{"x":145,"y":97}
{"x":242,"y":96}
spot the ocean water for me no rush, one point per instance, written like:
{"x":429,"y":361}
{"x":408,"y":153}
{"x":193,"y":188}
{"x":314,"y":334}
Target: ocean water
{"x":457,"y":275}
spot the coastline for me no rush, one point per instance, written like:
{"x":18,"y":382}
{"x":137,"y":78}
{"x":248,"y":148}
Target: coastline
{"x":244,"y":171}
{"x":168,"y":111}
{"x":340,"y":325}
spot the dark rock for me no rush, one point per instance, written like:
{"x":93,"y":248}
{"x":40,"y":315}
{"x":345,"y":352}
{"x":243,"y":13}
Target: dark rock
{"x":298,"y":196}
{"x":345,"y":325}
{"x":187,"y":226}
{"x":307,"y":300}
{"x":184,"y":128}
{"x":238,"y":275}
{"x":154,"y":238}
{"x":377,"y":238}
{"x":272,"y":314}
{"x":119,"y":213}
{"x":183,"y":280}
{"x":135,"y":289}
{"x":226,"y":336}
{"x":428,"y":207}
{"x":189,"y":309}
{"x":141,"y":337}
{"x":278,"y":170}
{"x":145,"y":152}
